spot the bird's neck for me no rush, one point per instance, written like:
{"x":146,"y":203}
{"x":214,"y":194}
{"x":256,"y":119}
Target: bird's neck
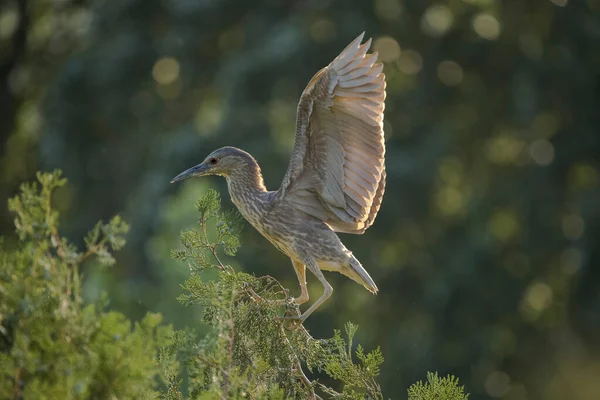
{"x":247,"y":191}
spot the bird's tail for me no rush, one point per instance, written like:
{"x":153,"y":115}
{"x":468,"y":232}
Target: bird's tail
{"x":357,"y":273}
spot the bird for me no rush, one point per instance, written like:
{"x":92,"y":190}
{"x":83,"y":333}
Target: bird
{"x":335,"y":179}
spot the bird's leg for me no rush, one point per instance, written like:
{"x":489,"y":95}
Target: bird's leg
{"x":312,"y":265}
{"x":301,"y":273}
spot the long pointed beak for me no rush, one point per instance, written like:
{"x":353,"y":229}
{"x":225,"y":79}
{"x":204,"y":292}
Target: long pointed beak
{"x":197,"y":170}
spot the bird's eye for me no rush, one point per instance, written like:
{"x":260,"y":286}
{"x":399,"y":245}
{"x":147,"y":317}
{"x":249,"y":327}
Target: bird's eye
{"x":213,"y":161}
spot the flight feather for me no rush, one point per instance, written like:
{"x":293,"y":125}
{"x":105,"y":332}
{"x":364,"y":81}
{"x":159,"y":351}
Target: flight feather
{"x":337,"y":170}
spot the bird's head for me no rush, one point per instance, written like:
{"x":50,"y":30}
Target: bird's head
{"x":223,"y":162}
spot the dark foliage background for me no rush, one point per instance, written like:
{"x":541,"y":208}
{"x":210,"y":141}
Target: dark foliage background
{"x":486,"y":247}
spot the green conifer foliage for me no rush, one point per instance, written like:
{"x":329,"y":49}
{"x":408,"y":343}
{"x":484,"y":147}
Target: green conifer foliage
{"x":251,"y":352}
{"x":52,"y":345}
{"x":437,"y":388}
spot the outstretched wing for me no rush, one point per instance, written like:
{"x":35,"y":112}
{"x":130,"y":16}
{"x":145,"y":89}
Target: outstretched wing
{"x":337,"y":171}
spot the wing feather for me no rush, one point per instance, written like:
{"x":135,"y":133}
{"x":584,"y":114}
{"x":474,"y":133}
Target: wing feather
{"x":337,"y":171}
{"x":365,"y":182}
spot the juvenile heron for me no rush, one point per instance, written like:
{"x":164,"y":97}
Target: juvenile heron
{"x":336,"y":176}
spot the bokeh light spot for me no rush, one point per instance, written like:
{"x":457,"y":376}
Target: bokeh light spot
{"x":539,"y":296}
{"x":545,"y":125}
{"x":394,"y":254}
{"x":209,"y":116}
{"x":388,"y":9}
{"x":41,"y":30}
{"x":583,"y":176}
{"x":165,"y":70}
{"x":497,"y":384}
{"x":486,"y":26}
{"x":449,"y":200}
{"x":9,"y":19}
{"x":504,"y":225}
{"x":322,"y":30}
{"x":503,"y":149}
{"x":388,"y":48}
{"x":437,"y":20}
{"x":81,"y":21}
{"x":542,"y":152}
{"x":531,"y":46}
{"x":451,"y":170}
{"x":573,"y":226}
{"x":570,"y":260}
{"x":30,"y":119}
{"x":282,"y":120}
{"x":410,"y":62}
{"x":502,"y":341}
{"x":450,"y":73}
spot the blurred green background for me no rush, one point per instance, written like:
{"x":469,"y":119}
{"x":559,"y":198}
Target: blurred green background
{"x":486,"y":248}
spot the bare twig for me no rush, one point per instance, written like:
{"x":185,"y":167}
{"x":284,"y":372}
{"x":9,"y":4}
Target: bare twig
{"x":311,"y":390}
{"x":297,"y":366}
{"x":211,"y":248}
{"x":17,"y":385}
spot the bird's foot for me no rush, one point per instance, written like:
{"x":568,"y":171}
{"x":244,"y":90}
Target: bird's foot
{"x":292,"y":322}
{"x":288,"y":301}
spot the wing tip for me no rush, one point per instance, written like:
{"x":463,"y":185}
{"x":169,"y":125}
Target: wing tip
{"x":360,"y":37}
{"x":348,"y":54}
{"x":367,"y":44}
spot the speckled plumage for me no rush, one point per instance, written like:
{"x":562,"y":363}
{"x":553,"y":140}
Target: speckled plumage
{"x":336,"y":177}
